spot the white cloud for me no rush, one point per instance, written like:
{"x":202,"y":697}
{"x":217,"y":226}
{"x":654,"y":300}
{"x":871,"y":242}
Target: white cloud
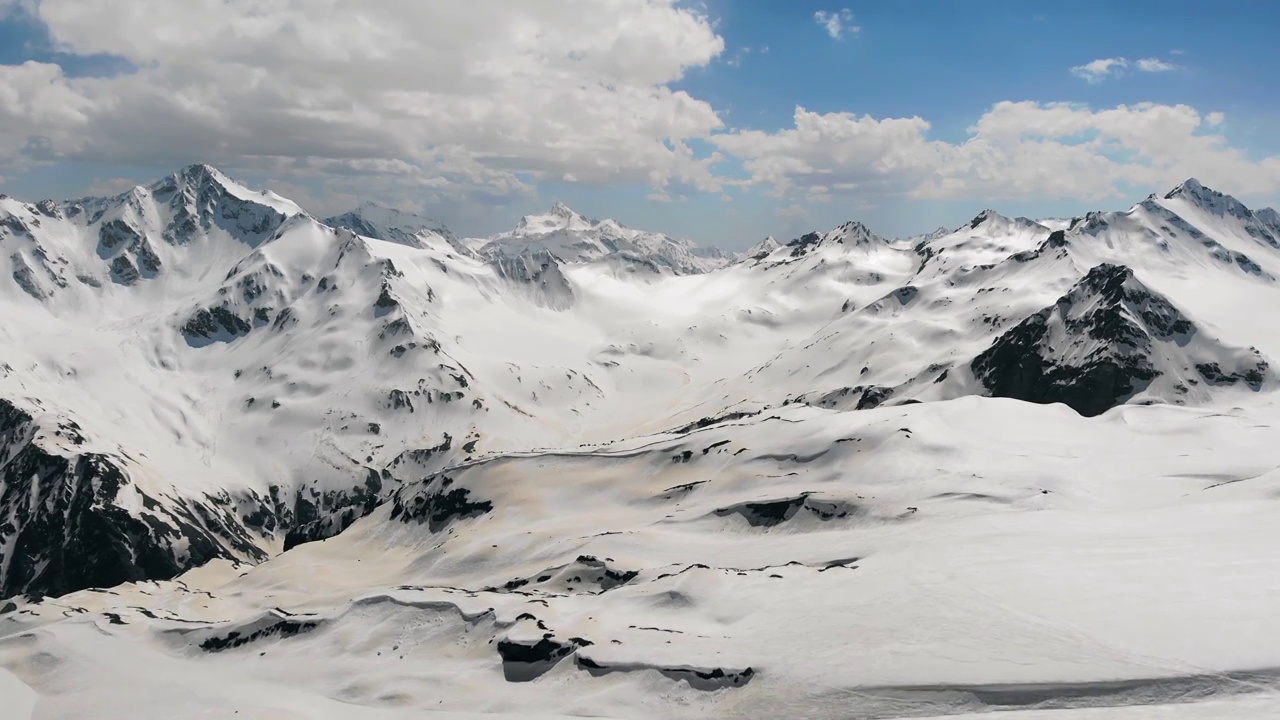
{"x":837,"y":23}
{"x":1101,"y":69}
{"x":1016,"y":151}
{"x":13,"y":7}
{"x":1154,"y":65}
{"x":437,"y":102}
{"x":836,"y":153}
{"x":736,"y":59}
{"x":111,"y":186}
{"x":792,"y":212}
{"x":459,"y":98}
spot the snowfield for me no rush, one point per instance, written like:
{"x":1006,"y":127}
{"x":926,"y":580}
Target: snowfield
{"x":256,"y":464}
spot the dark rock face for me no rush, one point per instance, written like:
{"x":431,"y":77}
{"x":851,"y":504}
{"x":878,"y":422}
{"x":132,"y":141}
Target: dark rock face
{"x":216,"y":323}
{"x":525,"y":661}
{"x":116,"y":234}
{"x":705,"y":679}
{"x":1018,"y":364}
{"x":123,"y":271}
{"x":317,"y":516}
{"x":73,"y":536}
{"x":771,"y":513}
{"x":130,"y":255}
{"x":236,"y":638}
{"x":64,"y":528}
{"x":874,"y":397}
{"x":437,"y":503}
{"x":200,"y":202}
{"x":1251,"y":376}
{"x":1093,"y":349}
{"x":804,"y":244}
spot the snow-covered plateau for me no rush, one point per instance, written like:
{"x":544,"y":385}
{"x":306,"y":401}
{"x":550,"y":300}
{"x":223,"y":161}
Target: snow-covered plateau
{"x":256,"y":464}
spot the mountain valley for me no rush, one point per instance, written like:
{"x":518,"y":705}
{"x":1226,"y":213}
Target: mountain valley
{"x":253,"y":461}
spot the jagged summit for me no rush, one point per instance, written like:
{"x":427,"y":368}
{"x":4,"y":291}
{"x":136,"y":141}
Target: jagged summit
{"x":995,"y":222}
{"x":559,"y":217}
{"x":762,"y":249}
{"x":846,"y":236}
{"x":1191,"y":187}
{"x":984,"y":216}
{"x":197,"y":174}
{"x":855,"y":233}
{"x":1208,"y":199}
{"x":202,"y":182}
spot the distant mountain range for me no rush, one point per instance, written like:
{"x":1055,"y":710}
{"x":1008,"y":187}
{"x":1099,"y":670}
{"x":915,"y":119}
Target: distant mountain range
{"x":194,"y":371}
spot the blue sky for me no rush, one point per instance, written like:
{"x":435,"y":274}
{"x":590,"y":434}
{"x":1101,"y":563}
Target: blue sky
{"x":916,"y":114}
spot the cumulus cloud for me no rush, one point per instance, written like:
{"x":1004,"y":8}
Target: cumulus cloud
{"x":1154,"y":65}
{"x":837,"y":24}
{"x":481,"y":96}
{"x":1015,"y":151}
{"x":835,"y":153}
{"x":1101,"y":69}
{"x":444,"y":101}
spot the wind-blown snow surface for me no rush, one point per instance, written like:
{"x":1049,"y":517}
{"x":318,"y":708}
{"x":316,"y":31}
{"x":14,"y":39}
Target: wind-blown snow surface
{"x":517,"y":480}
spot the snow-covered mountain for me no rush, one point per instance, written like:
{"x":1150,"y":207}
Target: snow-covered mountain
{"x":357,"y":467}
{"x":572,"y":238}
{"x":379,"y":222}
{"x":761,"y":250}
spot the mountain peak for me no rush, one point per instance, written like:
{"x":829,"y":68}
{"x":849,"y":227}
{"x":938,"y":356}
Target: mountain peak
{"x":763,"y":248}
{"x":1208,"y":199}
{"x":856,"y":233}
{"x":200,"y":184}
{"x":199,"y":174}
{"x":983,"y":217}
{"x":1193,"y":190}
{"x":560,"y":217}
{"x":562,"y":210}
{"x":572,"y":238}
{"x":1107,"y":340}
{"x":383,"y":222}
{"x":1190,"y":186}
{"x":996,"y":220}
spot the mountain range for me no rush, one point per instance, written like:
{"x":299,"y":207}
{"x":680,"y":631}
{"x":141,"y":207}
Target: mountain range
{"x":673,"y":479}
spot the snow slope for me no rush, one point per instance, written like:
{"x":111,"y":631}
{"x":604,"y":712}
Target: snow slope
{"x":355,"y":468}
